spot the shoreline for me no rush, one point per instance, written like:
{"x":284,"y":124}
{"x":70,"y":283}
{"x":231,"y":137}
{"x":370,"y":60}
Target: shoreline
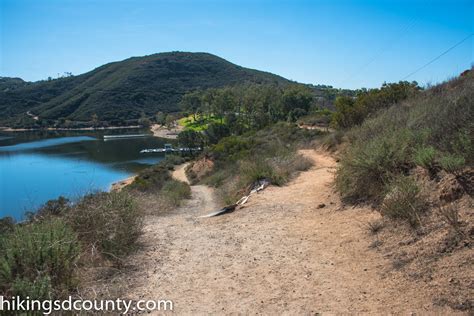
{"x":163,"y":132}
{"x":10,"y":129}
{"x":119,"y":185}
{"x":157,"y":130}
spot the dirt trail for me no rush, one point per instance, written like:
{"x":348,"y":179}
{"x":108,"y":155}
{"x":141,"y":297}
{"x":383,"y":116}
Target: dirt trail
{"x":180,"y":173}
{"x":202,"y":201}
{"x":284,"y":253}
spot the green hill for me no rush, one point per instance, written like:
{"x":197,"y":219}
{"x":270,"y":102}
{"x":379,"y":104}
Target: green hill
{"x":8,"y":84}
{"x":122,"y":91}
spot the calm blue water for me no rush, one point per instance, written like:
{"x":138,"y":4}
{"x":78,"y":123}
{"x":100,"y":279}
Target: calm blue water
{"x":36,"y":167}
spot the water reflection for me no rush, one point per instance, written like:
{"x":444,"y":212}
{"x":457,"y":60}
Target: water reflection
{"x":38,"y":166}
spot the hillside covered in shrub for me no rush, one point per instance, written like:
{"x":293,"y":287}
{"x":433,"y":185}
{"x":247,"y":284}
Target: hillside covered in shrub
{"x":413,"y":161}
{"x":432,"y":129}
{"x":123,"y":90}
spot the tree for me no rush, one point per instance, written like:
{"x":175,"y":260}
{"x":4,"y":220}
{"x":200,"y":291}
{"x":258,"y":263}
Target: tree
{"x":352,"y":111}
{"x":295,"y":114}
{"x":160,"y":118}
{"x":297,"y":96}
{"x":346,"y":114}
{"x":95,"y":120}
{"x":144,"y":121}
{"x":225,"y":102}
{"x":208,"y":100}
{"x":234,"y":123}
{"x":169,"y":121}
{"x":190,"y":138}
{"x":191,"y":103}
{"x":216,"y":131}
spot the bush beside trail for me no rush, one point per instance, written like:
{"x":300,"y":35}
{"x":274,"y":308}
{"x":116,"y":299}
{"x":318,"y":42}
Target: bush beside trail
{"x":432,"y":130}
{"x":41,"y":257}
{"x":239,"y":161}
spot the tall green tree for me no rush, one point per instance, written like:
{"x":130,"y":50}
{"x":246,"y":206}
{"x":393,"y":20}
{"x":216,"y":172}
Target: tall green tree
{"x":191,"y":139}
{"x":296,"y":97}
{"x":192,"y":103}
{"x":352,"y":111}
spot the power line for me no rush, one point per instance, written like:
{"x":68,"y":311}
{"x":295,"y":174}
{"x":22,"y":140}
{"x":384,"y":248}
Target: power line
{"x":408,"y":26}
{"x":439,"y":56}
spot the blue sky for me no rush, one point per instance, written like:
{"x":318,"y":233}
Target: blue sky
{"x":349,"y":44}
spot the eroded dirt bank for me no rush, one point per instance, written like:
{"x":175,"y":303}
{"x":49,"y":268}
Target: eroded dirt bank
{"x":291,"y":250}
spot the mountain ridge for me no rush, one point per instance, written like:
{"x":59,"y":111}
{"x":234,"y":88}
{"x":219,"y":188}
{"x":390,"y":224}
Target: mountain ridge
{"x":123,"y":90}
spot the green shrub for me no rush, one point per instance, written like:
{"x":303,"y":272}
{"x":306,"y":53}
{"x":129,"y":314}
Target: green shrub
{"x":404,"y":201}
{"x":463,"y":143}
{"x":452,"y":163}
{"x":54,"y":207}
{"x":111,"y":222}
{"x":352,"y":111}
{"x":300,"y":163}
{"x":269,"y":153}
{"x":231,"y":148}
{"x":320,"y":117}
{"x":191,"y":138}
{"x":173,"y":160}
{"x":174,"y":192}
{"x":277,"y":169}
{"x":152,"y":178}
{"x":255,"y":170}
{"x":219,"y":177}
{"x":39,"y":288}
{"x":425,"y":157}
{"x":38,"y":258}
{"x":387,"y":144}
{"x":332,"y":140}
{"x":216,"y":131}
{"x":369,"y":165}
{"x":7,"y":224}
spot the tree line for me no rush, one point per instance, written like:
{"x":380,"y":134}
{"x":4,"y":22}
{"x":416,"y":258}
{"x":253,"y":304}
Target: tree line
{"x":234,"y":110}
{"x":253,"y":106}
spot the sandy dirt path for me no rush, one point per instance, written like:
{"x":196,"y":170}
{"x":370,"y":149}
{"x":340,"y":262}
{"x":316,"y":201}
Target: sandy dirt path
{"x":283,"y":253}
{"x":202,"y":197}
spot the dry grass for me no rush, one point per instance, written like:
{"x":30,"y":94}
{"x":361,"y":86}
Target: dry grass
{"x":108,"y":224}
{"x":375,"y":226}
{"x":450,"y":215}
{"x":404,"y":201}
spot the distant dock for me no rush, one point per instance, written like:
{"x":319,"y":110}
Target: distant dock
{"x":169,"y":149}
{"x":111,"y":137}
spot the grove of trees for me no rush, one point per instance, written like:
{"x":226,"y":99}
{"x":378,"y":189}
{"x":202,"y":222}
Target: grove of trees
{"x":249,"y":107}
{"x":352,"y":111}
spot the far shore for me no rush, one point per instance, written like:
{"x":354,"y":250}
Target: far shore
{"x":157,"y":129}
{"x":10,"y":129}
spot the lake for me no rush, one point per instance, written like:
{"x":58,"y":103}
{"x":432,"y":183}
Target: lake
{"x":39,"y":166}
